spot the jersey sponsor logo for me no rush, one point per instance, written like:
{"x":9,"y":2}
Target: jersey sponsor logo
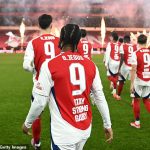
{"x":80,"y":110}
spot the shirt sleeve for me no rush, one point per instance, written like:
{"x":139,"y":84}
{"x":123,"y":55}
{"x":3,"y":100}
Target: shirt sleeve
{"x":107,"y":54}
{"x":28,"y":63}
{"x":133,"y":59}
{"x":100,"y":101}
{"x":121,"y":49}
{"x":36,"y":109}
{"x":41,"y":92}
{"x":45,"y":82}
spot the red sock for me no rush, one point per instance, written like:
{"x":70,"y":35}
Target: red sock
{"x":147,"y":104}
{"x":136,"y":108}
{"x":110,"y":78}
{"x":36,"y":130}
{"x":120,"y":87}
{"x":114,"y":80}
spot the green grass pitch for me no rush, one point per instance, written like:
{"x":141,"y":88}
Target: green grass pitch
{"x":15,"y":92}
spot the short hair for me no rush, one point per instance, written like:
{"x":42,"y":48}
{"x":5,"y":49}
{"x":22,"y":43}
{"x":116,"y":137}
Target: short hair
{"x":45,"y":21}
{"x":70,"y":34}
{"x":121,"y":40}
{"x":142,"y":39}
{"x":83,"y":33}
{"x":114,"y":35}
{"x":126,"y":39}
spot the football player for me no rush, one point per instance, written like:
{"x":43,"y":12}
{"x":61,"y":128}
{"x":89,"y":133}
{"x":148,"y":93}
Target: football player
{"x":140,"y":78}
{"x":126,"y":50}
{"x":44,"y":47}
{"x":112,"y":60}
{"x":84,"y":46}
{"x":67,"y":80}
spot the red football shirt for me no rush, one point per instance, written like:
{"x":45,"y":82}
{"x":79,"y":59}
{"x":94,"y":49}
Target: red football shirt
{"x":73,"y":76}
{"x":115,"y":54}
{"x":45,"y":47}
{"x":85,"y":48}
{"x":128,"y":49}
{"x":143,"y":64}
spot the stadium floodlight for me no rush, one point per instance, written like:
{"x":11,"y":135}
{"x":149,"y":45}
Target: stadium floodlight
{"x":22,"y":31}
{"x":103,"y":31}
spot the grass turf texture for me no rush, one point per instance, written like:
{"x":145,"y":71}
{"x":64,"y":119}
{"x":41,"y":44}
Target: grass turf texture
{"x":15,"y":92}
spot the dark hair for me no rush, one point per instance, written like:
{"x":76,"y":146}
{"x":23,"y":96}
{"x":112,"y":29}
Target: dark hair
{"x":83,"y":33}
{"x":126,"y":39}
{"x":114,"y":36}
{"x":45,"y":21}
{"x":142,"y":39}
{"x":121,"y":40}
{"x":70,"y":34}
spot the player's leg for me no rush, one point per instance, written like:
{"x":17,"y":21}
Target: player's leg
{"x":36,"y":131}
{"x":146,"y":97}
{"x":136,"y":111}
{"x":120,"y":88}
{"x":136,"y":107}
{"x":122,"y":78}
{"x":113,"y":78}
{"x":124,"y":73}
{"x":146,"y":102}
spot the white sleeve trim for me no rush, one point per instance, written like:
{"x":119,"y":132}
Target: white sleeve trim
{"x":100,"y":101}
{"x":28,"y":63}
{"x":107,"y":54}
{"x":36,"y":109}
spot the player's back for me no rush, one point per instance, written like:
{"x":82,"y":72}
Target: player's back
{"x":85,"y":48}
{"x":143,"y":64}
{"x":128,"y":50}
{"x":73,"y":76}
{"x":45,"y":47}
{"x":114,"y":54}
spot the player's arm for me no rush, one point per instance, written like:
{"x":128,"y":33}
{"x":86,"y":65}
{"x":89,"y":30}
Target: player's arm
{"x":107,"y":55}
{"x":28,"y":63}
{"x":102,"y":105}
{"x":42,"y":90}
{"x":121,"y":57}
{"x":133,"y":71}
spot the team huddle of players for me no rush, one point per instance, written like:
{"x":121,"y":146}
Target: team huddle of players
{"x":129,"y":61}
{"x":64,"y":76}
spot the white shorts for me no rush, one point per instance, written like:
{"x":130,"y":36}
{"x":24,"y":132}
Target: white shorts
{"x":125,"y":72}
{"x":113,"y":67}
{"x":76,"y":146}
{"x":141,"y":91}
